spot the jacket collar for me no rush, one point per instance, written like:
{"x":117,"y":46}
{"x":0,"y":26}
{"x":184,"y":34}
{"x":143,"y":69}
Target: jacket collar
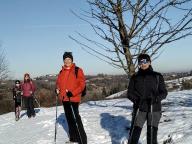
{"x":68,"y":68}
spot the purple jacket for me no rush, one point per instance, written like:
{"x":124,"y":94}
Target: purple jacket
{"x":28,"y":89}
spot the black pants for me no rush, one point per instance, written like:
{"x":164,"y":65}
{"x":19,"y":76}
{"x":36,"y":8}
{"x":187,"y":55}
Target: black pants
{"x":17,"y":107}
{"x":29,"y":106}
{"x":138,"y":120}
{"x":76,"y":129}
{"x":17,"y":104}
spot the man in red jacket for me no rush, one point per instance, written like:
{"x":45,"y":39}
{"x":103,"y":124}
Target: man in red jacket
{"x":28,"y":89}
{"x":69,"y":88}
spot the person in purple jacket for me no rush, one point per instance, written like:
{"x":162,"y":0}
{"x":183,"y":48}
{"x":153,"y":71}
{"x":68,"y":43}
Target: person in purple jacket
{"x":28,"y":89}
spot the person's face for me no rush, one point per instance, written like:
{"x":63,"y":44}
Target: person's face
{"x":26,"y":77}
{"x":68,"y":62}
{"x":17,"y":85}
{"x":144,"y":64}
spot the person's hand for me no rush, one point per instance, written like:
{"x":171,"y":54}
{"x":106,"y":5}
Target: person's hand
{"x":69,"y":94}
{"x":57,"y":91}
{"x":22,"y":93}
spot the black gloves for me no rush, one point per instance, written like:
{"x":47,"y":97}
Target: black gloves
{"x":69,"y":94}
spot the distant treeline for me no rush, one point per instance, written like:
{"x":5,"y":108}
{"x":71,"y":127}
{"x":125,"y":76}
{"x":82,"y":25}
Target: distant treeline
{"x":98,"y":87}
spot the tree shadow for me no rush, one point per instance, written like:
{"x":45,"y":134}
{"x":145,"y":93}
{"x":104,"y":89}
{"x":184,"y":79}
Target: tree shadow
{"x":63,"y":122}
{"x":117,"y":104}
{"x":117,"y":126}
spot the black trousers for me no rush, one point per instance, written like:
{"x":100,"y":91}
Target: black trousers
{"x":75,"y":125}
{"x":29,"y":106}
{"x":138,"y":120}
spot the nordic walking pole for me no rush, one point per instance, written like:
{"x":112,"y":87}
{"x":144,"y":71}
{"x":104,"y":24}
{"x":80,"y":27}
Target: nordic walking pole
{"x":134,"y":120}
{"x":56,"y":120}
{"x":75,"y":121}
{"x":37,"y":102}
{"x":151,"y":111}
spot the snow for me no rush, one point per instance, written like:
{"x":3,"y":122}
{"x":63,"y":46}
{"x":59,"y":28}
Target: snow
{"x":116,"y":95}
{"x":105,"y":122}
{"x":179,"y":80}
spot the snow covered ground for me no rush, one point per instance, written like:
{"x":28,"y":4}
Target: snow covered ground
{"x":106,"y":122}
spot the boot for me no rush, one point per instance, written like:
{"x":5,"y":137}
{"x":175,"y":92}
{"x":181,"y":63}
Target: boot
{"x":152,"y":135}
{"x":134,"y":139}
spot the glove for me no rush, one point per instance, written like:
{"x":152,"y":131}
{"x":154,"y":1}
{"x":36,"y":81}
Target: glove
{"x":69,"y":94}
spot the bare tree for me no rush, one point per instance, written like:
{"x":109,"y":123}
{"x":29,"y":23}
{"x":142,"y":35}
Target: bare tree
{"x":3,"y":66}
{"x":127,"y":28}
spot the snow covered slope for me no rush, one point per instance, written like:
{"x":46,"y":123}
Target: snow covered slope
{"x":106,"y":122}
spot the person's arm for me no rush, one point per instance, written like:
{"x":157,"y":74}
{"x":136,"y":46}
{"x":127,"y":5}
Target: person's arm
{"x":132,"y":95}
{"x":162,"y":91}
{"x":81,"y":81}
{"x":33,"y":87}
{"x":14,"y":93}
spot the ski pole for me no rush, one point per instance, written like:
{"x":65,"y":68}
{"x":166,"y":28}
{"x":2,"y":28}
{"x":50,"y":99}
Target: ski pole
{"x":151,"y":110}
{"x":56,"y":120}
{"x":75,"y":121}
{"x":37,"y":102}
{"x":134,"y":121}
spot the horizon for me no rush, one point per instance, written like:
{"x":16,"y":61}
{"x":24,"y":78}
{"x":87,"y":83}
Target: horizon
{"x":172,"y":72}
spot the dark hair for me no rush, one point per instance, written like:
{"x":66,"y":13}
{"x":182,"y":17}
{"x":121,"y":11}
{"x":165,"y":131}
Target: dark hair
{"x":67,"y":55}
{"x":144,"y":56}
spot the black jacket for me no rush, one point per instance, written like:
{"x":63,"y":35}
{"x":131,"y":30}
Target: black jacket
{"x":146,"y":87}
{"x":17,"y":94}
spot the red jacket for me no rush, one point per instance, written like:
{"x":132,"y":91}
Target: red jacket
{"x":28,"y":88}
{"x":67,"y":80}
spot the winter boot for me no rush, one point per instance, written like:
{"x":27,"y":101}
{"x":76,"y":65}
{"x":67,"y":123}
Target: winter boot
{"x":134,"y":139}
{"x":16,"y":118}
{"x":152,"y":136}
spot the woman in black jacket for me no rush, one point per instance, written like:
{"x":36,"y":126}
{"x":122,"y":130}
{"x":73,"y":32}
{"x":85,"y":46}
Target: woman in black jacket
{"x":146,"y":90}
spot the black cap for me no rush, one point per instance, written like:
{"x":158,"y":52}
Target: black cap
{"x":67,"y":55}
{"x":144,"y":56}
{"x":17,"y":82}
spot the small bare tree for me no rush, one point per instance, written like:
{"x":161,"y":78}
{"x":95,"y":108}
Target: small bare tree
{"x":127,"y":28}
{"x":3,"y":66}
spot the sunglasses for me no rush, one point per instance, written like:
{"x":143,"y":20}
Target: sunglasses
{"x":143,"y":61}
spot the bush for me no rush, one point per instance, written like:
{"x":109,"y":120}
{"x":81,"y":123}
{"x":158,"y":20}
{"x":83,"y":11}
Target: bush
{"x":6,"y":106}
{"x":187,"y":84}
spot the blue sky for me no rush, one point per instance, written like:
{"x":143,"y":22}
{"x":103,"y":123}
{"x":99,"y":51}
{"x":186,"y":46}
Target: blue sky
{"x":34,"y":34}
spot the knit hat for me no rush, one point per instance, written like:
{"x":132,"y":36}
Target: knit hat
{"x":17,"y":82}
{"x":144,"y":56}
{"x":67,"y":55}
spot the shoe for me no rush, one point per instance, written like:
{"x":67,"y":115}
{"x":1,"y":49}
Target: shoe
{"x":16,"y":118}
{"x":34,"y":115}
